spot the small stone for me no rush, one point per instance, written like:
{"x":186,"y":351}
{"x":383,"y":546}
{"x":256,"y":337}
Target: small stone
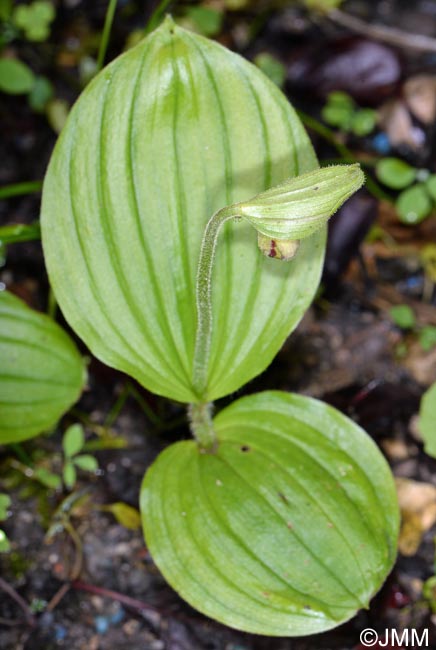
{"x":395,"y":449}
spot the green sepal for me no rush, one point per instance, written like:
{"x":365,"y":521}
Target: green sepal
{"x":300,"y":206}
{"x":414,"y":204}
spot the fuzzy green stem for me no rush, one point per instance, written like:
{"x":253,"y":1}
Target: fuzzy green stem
{"x":204,"y":300}
{"x":201,"y":423}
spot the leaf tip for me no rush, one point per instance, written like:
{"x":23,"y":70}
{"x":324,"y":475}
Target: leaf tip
{"x":168,"y":24}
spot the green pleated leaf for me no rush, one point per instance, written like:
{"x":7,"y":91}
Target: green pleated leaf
{"x":169,"y":133}
{"x":288,"y":529}
{"x":41,"y":372}
{"x":427,"y":420}
{"x":395,"y":173}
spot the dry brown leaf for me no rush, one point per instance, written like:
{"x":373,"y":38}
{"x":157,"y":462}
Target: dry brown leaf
{"x":418,"y":509}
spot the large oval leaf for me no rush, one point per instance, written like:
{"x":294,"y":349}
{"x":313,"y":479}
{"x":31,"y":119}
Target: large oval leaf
{"x":288,"y":529}
{"x":41,"y":373}
{"x":167,"y":134}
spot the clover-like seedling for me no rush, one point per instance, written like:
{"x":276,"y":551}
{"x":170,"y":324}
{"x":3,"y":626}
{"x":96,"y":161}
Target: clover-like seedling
{"x":5,"y":502}
{"x":279,"y":517}
{"x":417,"y":198}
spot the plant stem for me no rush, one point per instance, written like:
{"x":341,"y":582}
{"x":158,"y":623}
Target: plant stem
{"x":391,"y":35}
{"x":324,"y":132}
{"x":128,"y":601}
{"x":200,"y":419}
{"x":19,"y":189}
{"x":8,"y":589}
{"x":51,"y":303}
{"x":147,"y":410}
{"x":204,"y":301}
{"x":156,"y":16}
{"x":106,"y":33}
{"x":78,"y":547}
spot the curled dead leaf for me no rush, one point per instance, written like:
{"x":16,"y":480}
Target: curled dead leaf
{"x":418,"y":509}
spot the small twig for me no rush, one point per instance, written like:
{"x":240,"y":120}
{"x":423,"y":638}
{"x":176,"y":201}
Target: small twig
{"x":54,"y":602}
{"x":147,"y":410}
{"x":6,"y":587}
{"x":390,"y":35}
{"x":128,"y":601}
{"x":78,"y":557}
{"x":76,"y":569}
{"x":139,"y":605}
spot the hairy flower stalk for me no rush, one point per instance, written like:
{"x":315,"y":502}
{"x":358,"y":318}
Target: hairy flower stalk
{"x":282,"y":216}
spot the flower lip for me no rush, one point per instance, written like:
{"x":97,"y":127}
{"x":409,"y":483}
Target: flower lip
{"x":300,"y":206}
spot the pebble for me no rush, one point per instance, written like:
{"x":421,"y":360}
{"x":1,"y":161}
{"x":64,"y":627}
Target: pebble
{"x":60,"y":632}
{"x":381,"y":144}
{"x":101,"y":624}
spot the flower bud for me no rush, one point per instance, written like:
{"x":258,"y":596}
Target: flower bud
{"x":298,"y":207}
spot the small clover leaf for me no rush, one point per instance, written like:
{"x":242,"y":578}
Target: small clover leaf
{"x":69,"y":474}
{"x":40,"y":94}
{"x":207,"y":21}
{"x":403,"y":316}
{"x":86,"y":462}
{"x":47,"y":478}
{"x":34,"y":19}
{"x":363,"y":121}
{"x":5,"y":502}
{"x":427,"y":337}
{"x":272,"y":67}
{"x":430,"y":184}
{"x":5,"y":545}
{"x":395,"y":173}
{"x":413,"y":205}
{"x":16,"y":77}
